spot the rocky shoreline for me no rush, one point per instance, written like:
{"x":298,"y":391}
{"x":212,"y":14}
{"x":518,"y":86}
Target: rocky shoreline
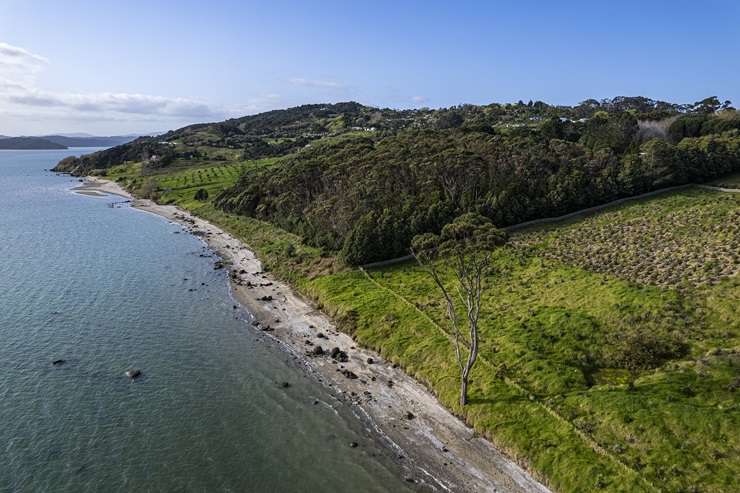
{"x":435,"y":449}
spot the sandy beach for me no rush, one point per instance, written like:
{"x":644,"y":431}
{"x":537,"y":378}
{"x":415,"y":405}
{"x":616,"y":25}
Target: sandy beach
{"x":435,"y":449}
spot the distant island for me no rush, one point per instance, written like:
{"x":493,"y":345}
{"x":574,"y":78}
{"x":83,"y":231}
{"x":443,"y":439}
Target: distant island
{"x":61,"y":142}
{"x":29,"y":143}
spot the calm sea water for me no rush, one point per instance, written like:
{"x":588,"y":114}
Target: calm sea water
{"x":107,"y":289}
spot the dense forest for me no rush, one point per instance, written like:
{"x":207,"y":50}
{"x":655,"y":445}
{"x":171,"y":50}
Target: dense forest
{"x":368,"y":197}
{"x":363,"y":181}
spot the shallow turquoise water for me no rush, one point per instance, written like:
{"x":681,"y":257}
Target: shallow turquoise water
{"x":107,"y":289}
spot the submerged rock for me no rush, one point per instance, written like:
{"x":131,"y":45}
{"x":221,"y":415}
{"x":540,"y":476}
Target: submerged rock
{"x":58,"y":362}
{"x":133,"y":374}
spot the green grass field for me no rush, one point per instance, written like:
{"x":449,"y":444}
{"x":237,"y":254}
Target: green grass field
{"x":540,"y":391}
{"x":560,"y":298}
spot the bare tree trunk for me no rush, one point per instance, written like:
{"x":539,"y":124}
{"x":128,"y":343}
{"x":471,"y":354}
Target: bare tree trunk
{"x":463,"y":389}
{"x":465,"y":374}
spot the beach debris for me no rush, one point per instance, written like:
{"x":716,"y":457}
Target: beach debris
{"x":133,"y":373}
{"x":58,"y":362}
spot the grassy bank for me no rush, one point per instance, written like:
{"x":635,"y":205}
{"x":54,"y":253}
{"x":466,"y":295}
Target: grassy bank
{"x":560,"y":301}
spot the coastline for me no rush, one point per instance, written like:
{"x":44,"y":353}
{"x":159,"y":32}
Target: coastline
{"x":424,"y":434}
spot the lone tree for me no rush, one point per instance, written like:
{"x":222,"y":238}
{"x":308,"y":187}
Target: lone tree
{"x":465,"y":246}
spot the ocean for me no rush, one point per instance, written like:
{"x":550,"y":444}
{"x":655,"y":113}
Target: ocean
{"x":107,"y":288}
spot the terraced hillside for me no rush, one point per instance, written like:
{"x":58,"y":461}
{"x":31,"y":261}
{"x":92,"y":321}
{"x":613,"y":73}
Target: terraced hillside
{"x":688,"y":239}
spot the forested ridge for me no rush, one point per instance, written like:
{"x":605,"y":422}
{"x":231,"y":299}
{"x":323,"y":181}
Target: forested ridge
{"x":362,"y":181}
{"x":367,"y":197}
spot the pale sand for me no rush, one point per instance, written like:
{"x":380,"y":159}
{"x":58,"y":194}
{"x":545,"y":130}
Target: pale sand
{"x":435,"y":448}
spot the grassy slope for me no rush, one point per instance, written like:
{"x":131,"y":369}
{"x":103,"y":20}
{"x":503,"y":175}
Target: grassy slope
{"x":533,"y":393}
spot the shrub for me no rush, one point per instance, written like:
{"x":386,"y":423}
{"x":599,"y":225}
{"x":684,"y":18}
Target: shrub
{"x":201,"y":194}
{"x":643,"y":348}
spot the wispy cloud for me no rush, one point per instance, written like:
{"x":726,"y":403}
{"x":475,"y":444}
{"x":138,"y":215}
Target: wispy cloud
{"x":19,"y":92}
{"x":20,"y":65}
{"x":112,"y":103}
{"x":419,"y":99}
{"x":13,"y":55}
{"x":323,"y":84}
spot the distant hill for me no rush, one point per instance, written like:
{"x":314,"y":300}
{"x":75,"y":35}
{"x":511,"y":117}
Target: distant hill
{"x":63,"y":141}
{"x":30,"y":143}
{"x":89,"y":141}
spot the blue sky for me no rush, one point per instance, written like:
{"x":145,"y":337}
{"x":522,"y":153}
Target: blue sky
{"x":117,"y":67}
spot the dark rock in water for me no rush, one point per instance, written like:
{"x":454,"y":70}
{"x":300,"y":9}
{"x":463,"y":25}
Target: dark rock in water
{"x":255,"y":323}
{"x":58,"y":362}
{"x":266,"y":298}
{"x":410,"y":415}
{"x":133,"y":374}
{"x":285,"y":385}
{"x":218,"y":265}
{"x":318,"y":351}
{"x":267,"y":328}
{"x":370,"y":361}
{"x":349,"y":374}
{"x":353,"y":444}
{"x":321,"y":335}
{"x":315,"y":402}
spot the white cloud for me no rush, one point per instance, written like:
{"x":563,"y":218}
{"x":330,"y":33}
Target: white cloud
{"x":20,"y":93}
{"x":324,"y":84}
{"x":419,"y":99}
{"x":13,"y":55}
{"x":20,"y":65}
{"x":111,"y":103}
